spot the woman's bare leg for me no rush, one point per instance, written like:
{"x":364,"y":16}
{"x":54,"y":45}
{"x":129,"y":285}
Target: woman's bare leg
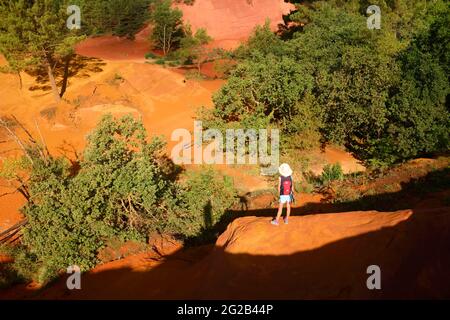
{"x":280,"y":211}
{"x":288,"y":213}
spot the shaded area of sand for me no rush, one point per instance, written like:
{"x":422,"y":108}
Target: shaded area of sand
{"x":314,"y":257}
{"x":323,"y":253}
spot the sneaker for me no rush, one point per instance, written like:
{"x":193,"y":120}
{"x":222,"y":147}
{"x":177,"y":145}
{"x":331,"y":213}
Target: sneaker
{"x":274,"y":222}
{"x":286,"y":221}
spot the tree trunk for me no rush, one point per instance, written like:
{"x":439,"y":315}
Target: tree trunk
{"x":53,"y":83}
{"x":169,"y":43}
{"x":164,"y":40}
{"x":66,"y":75}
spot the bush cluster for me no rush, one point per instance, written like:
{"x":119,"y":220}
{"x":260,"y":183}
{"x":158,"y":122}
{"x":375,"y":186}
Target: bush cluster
{"x":124,"y":188}
{"x":381,"y":93}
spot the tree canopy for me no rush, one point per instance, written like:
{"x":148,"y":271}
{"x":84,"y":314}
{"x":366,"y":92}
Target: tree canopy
{"x":34,"y":33}
{"x":381,"y":93}
{"x":121,"y":18}
{"x":124,"y":188}
{"x":167,"y":25}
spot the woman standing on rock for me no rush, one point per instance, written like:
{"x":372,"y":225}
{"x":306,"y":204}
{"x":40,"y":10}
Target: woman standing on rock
{"x":286,"y":191}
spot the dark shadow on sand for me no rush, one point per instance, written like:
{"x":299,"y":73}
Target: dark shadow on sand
{"x":413,"y":256}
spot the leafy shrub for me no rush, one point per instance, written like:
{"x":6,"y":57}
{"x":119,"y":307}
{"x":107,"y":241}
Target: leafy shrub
{"x":160,"y":61}
{"x":117,"y":249}
{"x":304,"y":186}
{"x":224,"y":67}
{"x":120,"y":191}
{"x":193,"y":48}
{"x":203,"y":200}
{"x":193,"y":75}
{"x":8,"y":277}
{"x":167,"y":26}
{"x":267,"y":87}
{"x":150,"y":55}
{"x":174,"y":63}
{"x":23,"y":268}
{"x":347,"y":193}
{"x":123,"y":189}
{"x":331,"y":173}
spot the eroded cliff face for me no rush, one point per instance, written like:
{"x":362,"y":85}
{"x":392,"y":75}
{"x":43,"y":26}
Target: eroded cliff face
{"x":230,"y":21}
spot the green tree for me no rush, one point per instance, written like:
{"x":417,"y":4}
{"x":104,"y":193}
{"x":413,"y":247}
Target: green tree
{"x":12,"y":30}
{"x":262,"y":42}
{"x":120,"y":191}
{"x":265,"y":87}
{"x":435,"y":37}
{"x":192,"y":47}
{"x":382,"y":93}
{"x":124,"y":188}
{"x":167,"y":26}
{"x":365,"y":80}
{"x":121,"y":18}
{"x":34,"y":33}
{"x":418,"y":120}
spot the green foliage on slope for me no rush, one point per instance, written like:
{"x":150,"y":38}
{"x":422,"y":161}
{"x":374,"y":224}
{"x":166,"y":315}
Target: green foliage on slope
{"x":124,"y":188}
{"x":381,"y":93}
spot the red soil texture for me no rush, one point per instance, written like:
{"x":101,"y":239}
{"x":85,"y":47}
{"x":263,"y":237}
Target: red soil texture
{"x":321,"y":256}
{"x":231,"y":21}
{"x":10,"y":203}
{"x":116,"y":48}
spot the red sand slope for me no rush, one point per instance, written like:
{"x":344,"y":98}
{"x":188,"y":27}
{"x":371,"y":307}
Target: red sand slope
{"x":229,"y":21}
{"x":116,"y":48}
{"x":322,"y":256}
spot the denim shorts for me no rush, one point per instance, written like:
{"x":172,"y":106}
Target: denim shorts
{"x":284,"y":199}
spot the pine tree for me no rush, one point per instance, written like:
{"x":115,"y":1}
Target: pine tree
{"x":34,"y":33}
{"x":12,"y":30}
